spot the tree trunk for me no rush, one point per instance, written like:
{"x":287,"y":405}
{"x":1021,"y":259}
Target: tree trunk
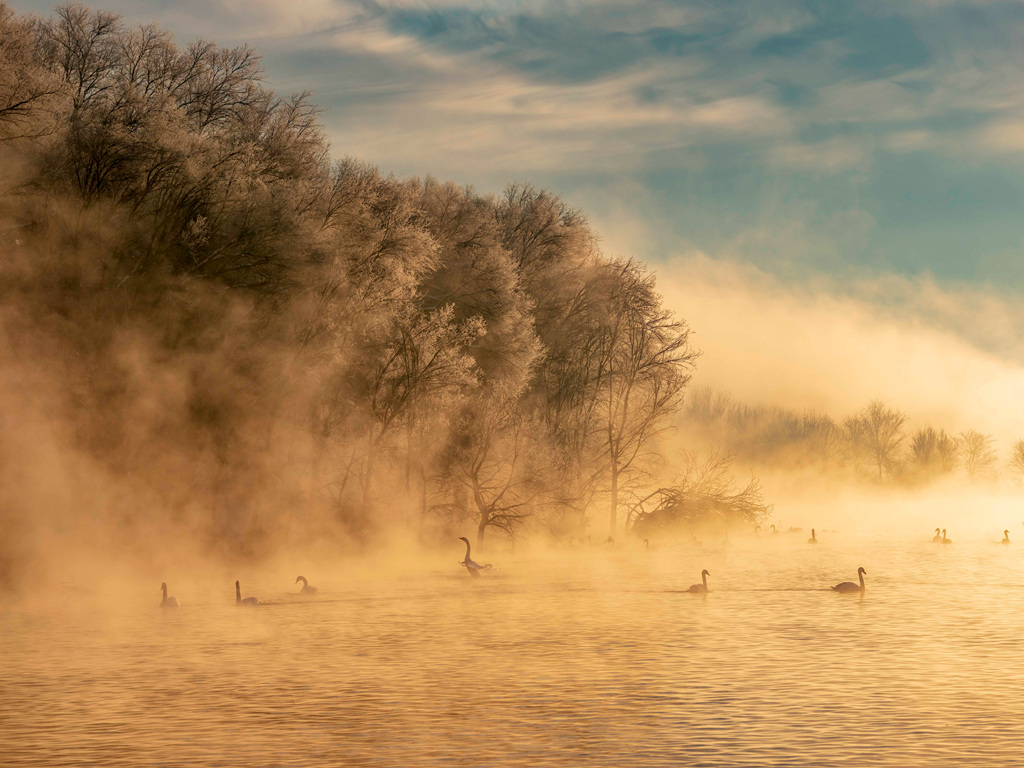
{"x":367,"y":484}
{"x":421,"y":472}
{"x":481,"y":529}
{"x":615,"y":499}
{"x":485,"y":513}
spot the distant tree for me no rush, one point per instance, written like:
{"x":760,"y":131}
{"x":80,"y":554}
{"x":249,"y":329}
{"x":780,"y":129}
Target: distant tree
{"x":875,"y":434}
{"x":707,"y":406}
{"x":823,"y":438}
{"x":976,"y":453}
{"x":1017,"y":459}
{"x":933,"y":451}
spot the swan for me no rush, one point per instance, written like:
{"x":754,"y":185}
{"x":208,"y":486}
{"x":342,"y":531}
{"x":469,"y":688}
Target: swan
{"x":247,"y":601}
{"x":774,"y":531}
{"x":474,"y":568}
{"x":168,"y":602}
{"x":813,"y":539}
{"x":849,"y":586}
{"x":701,"y":588}
{"x":937,"y":538}
{"x":944,"y":539}
{"x":647,"y":545}
{"x":1006,"y":537}
{"x":306,"y":589}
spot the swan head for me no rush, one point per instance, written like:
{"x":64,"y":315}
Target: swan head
{"x":1006,"y":532}
{"x":943,"y":531}
{"x":237,"y":585}
{"x":463,"y":538}
{"x":861,"y":570}
{"x":163,"y":586}
{"x":704,"y":573}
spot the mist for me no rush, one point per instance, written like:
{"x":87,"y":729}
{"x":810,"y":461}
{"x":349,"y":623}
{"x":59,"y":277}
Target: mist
{"x":306,"y":463}
{"x":221,"y":346}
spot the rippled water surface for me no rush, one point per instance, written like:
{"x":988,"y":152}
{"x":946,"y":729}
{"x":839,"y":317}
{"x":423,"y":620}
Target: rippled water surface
{"x":594,"y":658}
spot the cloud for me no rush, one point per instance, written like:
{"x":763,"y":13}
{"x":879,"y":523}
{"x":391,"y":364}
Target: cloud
{"x":834,"y":347}
{"x":833,"y":155}
{"x":1003,"y":137}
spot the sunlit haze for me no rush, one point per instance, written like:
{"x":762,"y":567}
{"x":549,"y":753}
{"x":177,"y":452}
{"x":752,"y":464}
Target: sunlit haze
{"x":511,"y":383}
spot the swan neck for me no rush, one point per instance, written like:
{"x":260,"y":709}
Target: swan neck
{"x":467,"y":549}
{"x":163,"y":589}
{"x":704,"y":580}
{"x":861,"y":575}
{"x":238,"y":594}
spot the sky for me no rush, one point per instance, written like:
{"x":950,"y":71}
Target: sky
{"x":869,"y":154}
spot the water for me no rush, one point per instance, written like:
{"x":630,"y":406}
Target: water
{"x":596,"y":659}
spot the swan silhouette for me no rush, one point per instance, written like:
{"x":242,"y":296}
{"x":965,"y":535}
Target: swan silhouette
{"x":701,"y":588}
{"x":473,"y":567}
{"x":247,"y":601}
{"x":306,"y":589}
{"x":168,"y":602}
{"x":937,"y":538}
{"x":813,"y":539}
{"x":944,"y":539}
{"x":1006,"y":537}
{"x":849,"y":586}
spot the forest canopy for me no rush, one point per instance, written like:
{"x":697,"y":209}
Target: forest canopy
{"x":228,"y":331}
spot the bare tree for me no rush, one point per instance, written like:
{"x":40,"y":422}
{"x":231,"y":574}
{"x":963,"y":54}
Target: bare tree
{"x":976,"y":453}
{"x":705,"y":493}
{"x":933,"y":451}
{"x":1017,"y":459}
{"x":497,"y":469}
{"x":875,"y":434}
{"x":644,"y":365}
{"x":411,"y":366}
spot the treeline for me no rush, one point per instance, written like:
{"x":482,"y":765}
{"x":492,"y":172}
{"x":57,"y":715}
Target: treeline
{"x":874,"y":444}
{"x":256,"y":339}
